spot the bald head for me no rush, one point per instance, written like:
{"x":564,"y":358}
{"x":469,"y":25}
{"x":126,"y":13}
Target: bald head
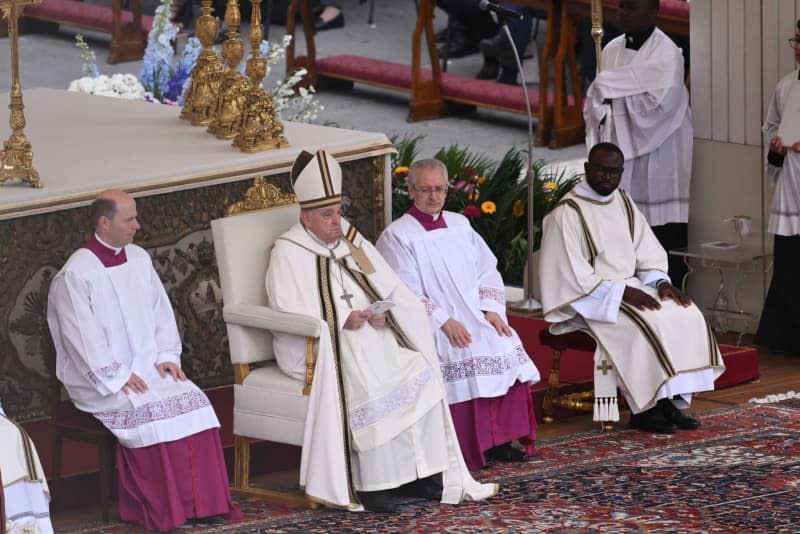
{"x":114,"y":217}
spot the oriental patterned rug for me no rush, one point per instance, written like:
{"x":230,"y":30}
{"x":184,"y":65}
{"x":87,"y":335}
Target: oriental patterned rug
{"x":739,"y":472}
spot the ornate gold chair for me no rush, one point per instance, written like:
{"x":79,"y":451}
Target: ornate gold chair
{"x":268,"y":405}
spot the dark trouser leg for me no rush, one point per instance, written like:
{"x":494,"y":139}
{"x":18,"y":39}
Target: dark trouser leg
{"x":673,"y":236}
{"x":779,"y":327}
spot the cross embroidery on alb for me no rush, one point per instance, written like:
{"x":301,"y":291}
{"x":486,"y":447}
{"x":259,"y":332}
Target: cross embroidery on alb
{"x":605,"y":367}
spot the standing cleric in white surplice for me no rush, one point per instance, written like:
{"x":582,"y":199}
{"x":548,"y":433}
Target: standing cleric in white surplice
{"x":26,"y":497}
{"x":454,"y":273}
{"x":603,"y":271}
{"x":639,"y":102}
{"x":779,"y":327}
{"x":391,"y":425}
{"x":118,"y":355}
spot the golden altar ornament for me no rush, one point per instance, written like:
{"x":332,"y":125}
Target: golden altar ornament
{"x":233,"y":87}
{"x":259,"y":126}
{"x":16,"y":156}
{"x":201,"y":95}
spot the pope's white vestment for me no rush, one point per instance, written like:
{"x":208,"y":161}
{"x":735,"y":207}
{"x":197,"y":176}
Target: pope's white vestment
{"x":25,"y":492}
{"x":454,"y":273}
{"x":109,"y":322}
{"x":389,"y":420}
{"x":639,"y":102}
{"x":594,"y":246}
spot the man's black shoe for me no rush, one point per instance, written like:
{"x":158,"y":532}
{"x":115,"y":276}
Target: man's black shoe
{"x":653,"y":420}
{"x":426,"y":488}
{"x":497,"y":46}
{"x":489,"y":70}
{"x":460,"y":45}
{"x":674,"y":415}
{"x":378,"y":501}
{"x":506,"y":453}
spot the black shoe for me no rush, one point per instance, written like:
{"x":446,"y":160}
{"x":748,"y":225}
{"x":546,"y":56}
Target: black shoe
{"x":508,"y":77}
{"x":441,"y":36}
{"x":653,"y":420}
{"x":506,"y":453}
{"x":332,"y":24}
{"x":378,"y":501}
{"x":489,"y":70}
{"x":460,"y":45}
{"x":425,"y":488}
{"x":674,"y":415}
{"x":497,"y":46}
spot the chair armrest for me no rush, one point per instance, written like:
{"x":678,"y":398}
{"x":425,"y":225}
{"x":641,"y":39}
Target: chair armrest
{"x":269,"y":319}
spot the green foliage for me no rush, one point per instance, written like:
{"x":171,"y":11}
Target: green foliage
{"x":491,"y":194}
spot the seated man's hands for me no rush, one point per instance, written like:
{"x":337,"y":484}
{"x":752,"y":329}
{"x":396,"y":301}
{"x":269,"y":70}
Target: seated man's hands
{"x":134,"y":384}
{"x":497,"y":322}
{"x":377,"y":320}
{"x":456,"y":333}
{"x":356,"y":319}
{"x":776,"y":145}
{"x":171,"y":368}
{"x":639,"y":299}
{"x":667,"y":290}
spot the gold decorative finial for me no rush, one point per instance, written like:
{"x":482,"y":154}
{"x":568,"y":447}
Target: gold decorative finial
{"x":261,"y":195}
{"x":201,"y":95}
{"x":233,"y":89}
{"x":259,"y":126}
{"x":16,"y":158}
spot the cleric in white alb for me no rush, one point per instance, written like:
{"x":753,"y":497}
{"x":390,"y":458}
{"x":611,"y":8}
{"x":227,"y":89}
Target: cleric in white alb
{"x":118,"y":355}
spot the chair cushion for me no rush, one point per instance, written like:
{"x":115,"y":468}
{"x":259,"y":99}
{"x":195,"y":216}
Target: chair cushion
{"x":576,"y":340}
{"x":270,"y":405}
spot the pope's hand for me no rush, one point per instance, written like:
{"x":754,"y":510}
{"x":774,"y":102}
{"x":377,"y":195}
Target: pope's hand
{"x":497,"y":322}
{"x":356,"y":319}
{"x":134,"y":384}
{"x":456,"y":334}
{"x":377,"y":320}
{"x":171,"y":368}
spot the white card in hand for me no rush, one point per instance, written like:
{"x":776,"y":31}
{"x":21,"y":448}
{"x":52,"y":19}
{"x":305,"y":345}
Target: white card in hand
{"x":381,"y":306}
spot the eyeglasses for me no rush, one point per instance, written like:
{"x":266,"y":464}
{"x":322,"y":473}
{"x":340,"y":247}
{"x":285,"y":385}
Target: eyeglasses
{"x":439,"y":189}
{"x":794,"y":42}
{"x":608,"y":171}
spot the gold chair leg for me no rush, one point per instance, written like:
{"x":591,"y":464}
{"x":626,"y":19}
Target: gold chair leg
{"x":241,"y":463}
{"x":551,"y":395}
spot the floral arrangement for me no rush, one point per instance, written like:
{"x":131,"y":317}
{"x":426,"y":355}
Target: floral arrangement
{"x":492,"y":195}
{"x":165,"y":75}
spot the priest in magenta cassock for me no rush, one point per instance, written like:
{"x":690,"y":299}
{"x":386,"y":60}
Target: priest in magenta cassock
{"x":118,"y":356}
{"x":377,"y":422}
{"x":25,"y":501}
{"x":601,"y":270}
{"x":487,"y":373}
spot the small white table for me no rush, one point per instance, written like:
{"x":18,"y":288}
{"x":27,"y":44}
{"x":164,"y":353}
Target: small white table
{"x":743,"y":259}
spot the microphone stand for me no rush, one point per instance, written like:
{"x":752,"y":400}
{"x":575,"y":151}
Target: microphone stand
{"x":528,"y":303}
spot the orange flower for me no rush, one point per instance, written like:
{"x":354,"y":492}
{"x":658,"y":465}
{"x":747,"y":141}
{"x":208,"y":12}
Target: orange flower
{"x":488,"y":207}
{"x":482,"y":180}
{"x":400,"y":170}
{"x":519,"y":209}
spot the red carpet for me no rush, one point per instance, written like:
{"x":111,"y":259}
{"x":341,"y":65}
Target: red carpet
{"x":739,"y":473}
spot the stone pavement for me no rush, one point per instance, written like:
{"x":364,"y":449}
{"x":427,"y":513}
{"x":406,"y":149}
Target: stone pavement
{"x":51,"y":60}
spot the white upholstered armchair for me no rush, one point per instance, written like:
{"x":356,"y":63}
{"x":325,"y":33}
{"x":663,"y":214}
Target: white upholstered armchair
{"x":268,"y":404}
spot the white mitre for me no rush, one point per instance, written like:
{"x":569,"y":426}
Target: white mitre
{"x":317,"y":180}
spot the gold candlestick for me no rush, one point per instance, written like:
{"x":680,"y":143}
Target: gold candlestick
{"x":259,"y":128}
{"x":201,"y":95}
{"x":233,"y":88}
{"x":16,"y":156}
{"x":597,"y":30}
